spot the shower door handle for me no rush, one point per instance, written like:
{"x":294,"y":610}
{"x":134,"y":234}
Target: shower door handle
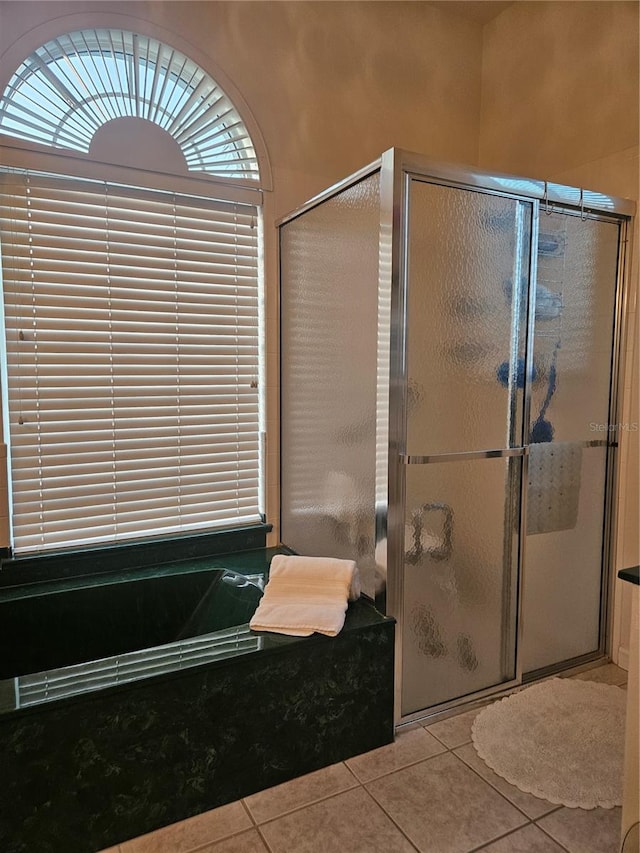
{"x":410,"y":459}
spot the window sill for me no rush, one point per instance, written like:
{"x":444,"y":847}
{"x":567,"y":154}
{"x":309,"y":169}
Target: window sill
{"x":141,"y":553}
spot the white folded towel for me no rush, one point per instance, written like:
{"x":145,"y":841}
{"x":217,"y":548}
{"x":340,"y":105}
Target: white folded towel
{"x":306,"y":595}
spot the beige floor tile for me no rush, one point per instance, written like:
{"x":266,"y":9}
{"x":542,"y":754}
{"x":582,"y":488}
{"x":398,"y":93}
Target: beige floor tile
{"x":532,"y":806}
{"x":347,"y":823}
{"x":442,"y":805}
{"x":411,"y":745}
{"x":246,"y":842}
{"x":585,"y":831}
{"x":194,"y":832}
{"x":300,"y":792}
{"x":454,"y":731}
{"x":529,"y":839}
{"x":608,"y":673}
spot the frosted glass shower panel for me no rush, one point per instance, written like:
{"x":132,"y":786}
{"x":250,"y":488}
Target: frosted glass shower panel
{"x":460,"y":579}
{"x":329,"y":272}
{"x":574,"y":322}
{"x":574,"y":318}
{"x":563,"y":572}
{"x":468,"y":266}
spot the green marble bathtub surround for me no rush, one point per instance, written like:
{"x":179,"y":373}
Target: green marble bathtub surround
{"x":92,"y":770}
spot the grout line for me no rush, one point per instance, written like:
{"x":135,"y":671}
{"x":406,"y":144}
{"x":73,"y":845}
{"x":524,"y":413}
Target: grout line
{"x":233,"y":834}
{"x":400,"y":769}
{"x":493,"y":788}
{"x":392,"y":819}
{"x":264,"y":840}
{"x":486,"y":844}
{"x":450,"y":748}
{"x":548,"y":834}
{"x":322,"y":799}
{"x":556,"y":808}
{"x":248,"y":811}
{"x":353,"y":772}
{"x":207,"y":844}
{"x":433,"y":734}
{"x":553,"y":808}
{"x":528,"y":820}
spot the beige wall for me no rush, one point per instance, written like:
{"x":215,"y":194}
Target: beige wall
{"x":559,"y":85}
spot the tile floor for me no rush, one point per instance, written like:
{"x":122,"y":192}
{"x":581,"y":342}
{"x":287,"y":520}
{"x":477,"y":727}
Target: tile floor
{"x":427,"y":792}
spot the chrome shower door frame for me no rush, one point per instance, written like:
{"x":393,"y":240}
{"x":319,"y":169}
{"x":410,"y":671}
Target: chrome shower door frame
{"x":396,"y":169}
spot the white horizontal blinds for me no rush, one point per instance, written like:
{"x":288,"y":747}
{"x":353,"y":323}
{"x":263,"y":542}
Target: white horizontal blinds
{"x":132,"y":342}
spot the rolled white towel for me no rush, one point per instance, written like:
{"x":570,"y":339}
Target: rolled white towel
{"x":306,"y":595}
{"x":317,"y":569}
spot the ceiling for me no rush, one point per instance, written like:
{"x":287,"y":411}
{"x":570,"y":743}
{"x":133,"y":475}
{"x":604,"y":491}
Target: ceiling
{"x":477,"y":10}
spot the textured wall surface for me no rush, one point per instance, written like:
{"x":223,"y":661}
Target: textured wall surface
{"x":559,"y":85}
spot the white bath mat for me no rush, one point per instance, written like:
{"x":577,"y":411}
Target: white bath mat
{"x":561,"y":740}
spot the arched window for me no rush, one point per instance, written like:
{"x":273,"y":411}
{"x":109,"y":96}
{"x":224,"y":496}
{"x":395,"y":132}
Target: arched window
{"x":132,"y":314}
{"x":75,"y":84}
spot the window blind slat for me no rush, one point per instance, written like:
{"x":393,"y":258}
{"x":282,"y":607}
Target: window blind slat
{"x":131,"y":323}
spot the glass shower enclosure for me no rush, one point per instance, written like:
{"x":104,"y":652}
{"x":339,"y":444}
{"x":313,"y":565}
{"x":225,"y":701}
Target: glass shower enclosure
{"x":449,"y":354}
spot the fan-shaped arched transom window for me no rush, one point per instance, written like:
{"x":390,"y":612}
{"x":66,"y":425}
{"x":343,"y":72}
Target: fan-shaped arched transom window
{"x":74,"y":84}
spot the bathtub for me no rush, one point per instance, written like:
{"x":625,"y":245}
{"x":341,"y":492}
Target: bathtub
{"x":129,"y":701}
{"x":98,"y":634}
